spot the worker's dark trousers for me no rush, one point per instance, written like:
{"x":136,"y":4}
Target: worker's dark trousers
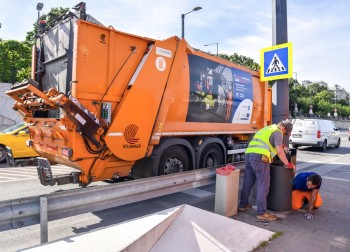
{"x":256,"y":170}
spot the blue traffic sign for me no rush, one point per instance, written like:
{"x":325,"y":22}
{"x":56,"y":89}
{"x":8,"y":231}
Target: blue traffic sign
{"x":276,"y":62}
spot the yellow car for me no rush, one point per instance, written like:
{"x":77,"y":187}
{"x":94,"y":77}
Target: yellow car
{"x":15,"y":138}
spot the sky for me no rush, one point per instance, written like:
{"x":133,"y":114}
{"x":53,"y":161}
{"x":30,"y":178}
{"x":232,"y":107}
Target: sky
{"x":318,"y":30}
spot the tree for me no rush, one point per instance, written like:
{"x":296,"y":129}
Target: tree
{"x":15,"y":56}
{"x":315,"y":88}
{"x":241,"y":60}
{"x":324,"y":107}
{"x":15,"y":61}
{"x":51,"y":18}
{"x":293,"y":88}
{"x":324,"y":95}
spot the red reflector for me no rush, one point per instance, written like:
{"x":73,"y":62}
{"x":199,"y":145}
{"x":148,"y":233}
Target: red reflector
{"x":67,"y":152}
{"x":318,"y":134}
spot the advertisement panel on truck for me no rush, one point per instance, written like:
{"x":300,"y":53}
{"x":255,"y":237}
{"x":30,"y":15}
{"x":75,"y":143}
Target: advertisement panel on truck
{"x":218,"y":93}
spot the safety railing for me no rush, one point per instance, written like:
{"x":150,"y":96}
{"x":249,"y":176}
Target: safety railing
{"x":19,"y":213}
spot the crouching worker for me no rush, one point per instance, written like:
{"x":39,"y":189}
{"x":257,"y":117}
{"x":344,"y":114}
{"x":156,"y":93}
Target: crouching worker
{"x":306,"y":187}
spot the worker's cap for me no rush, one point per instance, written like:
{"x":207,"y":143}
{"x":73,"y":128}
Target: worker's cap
{"x":289,"y":126}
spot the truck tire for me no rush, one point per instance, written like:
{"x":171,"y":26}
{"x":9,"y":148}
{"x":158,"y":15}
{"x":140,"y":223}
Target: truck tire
{"x":2,"y":154}
{"x":211,"y":156}
{"x":173,"y":160}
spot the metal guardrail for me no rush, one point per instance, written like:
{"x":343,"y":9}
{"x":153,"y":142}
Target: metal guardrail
{"x":19,"y":213}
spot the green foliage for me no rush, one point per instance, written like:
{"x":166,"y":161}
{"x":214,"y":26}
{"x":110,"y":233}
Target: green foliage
{"x":263,"y":244}
{"x":15,"y":61}
{"x":15,"y":56}
{"x":23,"y":74}
{"x":242,"y":60}
{"x":321,"y":98}
{"x":50,"y":20}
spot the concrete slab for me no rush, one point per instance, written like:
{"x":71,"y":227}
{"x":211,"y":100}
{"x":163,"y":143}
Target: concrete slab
{"x":183,"y":228}
{"x":139,"y":234}
{"x":199,"y":230}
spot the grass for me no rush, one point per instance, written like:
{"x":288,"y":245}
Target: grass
{"x":265,"y":243}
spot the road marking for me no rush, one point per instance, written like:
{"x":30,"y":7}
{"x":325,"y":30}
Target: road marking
{"x":16,"y":179}
{"x":324,"y":154}
{"x":17,"y":174}
{"x":339,"y":179}
{"x":11,"y":174}
{"x":323,"y":162}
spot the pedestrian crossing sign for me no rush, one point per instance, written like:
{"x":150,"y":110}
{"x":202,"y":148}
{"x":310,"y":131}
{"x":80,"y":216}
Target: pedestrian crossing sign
{"x":276,"y":62}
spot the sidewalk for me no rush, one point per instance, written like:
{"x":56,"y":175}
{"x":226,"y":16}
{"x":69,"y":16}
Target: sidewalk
{"x":328,"y":231}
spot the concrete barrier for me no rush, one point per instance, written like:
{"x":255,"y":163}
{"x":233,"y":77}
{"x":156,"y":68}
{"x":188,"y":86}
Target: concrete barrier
{"x":183,"y":228}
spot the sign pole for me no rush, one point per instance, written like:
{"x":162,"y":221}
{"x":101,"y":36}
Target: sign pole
{"x":280,"y":88}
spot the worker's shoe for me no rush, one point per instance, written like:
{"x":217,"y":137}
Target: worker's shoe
{"x":245,"y":208}
{"x":267,"y":217}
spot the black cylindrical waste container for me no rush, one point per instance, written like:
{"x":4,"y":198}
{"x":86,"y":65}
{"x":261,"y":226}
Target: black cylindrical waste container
{"x":280,"y":194}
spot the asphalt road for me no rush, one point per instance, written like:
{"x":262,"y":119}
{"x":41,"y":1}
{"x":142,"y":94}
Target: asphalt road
{"x":13,"y":240}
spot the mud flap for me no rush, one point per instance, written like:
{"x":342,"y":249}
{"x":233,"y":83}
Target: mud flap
{"x":45,"y":172}
{"x":46,"y":177}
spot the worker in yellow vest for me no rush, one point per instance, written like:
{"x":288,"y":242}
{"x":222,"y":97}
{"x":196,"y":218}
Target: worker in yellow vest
{"x":265,"y":144}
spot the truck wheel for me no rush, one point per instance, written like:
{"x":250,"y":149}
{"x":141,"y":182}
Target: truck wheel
{"x":211,"y":156}
{"x":324,"y":146}
{"x":2,"y":154}
{"x":173,"y":160}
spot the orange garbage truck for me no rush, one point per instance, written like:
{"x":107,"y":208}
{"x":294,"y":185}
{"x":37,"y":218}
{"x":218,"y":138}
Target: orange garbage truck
{"x":111,"y":104}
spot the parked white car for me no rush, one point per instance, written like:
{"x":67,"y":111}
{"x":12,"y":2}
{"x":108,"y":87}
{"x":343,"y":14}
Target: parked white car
{"x":315,"y":132}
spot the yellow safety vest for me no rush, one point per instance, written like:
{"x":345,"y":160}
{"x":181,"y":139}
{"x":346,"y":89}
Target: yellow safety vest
{"x":260,"y":143}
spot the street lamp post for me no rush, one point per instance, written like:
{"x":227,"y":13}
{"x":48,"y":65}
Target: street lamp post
{"x":335,"y":101}
{"x":217,"y":47}
{"x":296,"y":76}
{"x":183,"y":20}
{"x":39,"y":7}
